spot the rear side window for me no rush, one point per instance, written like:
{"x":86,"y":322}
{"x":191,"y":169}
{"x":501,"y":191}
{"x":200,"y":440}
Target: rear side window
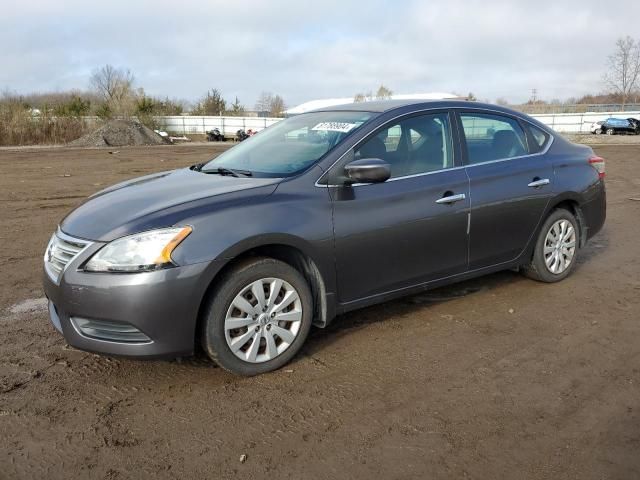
{"x":539,"y":139}
{"x":492,"y":137}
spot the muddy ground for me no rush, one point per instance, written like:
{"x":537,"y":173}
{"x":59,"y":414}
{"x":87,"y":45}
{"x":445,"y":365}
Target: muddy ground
{"x":499,"y":377}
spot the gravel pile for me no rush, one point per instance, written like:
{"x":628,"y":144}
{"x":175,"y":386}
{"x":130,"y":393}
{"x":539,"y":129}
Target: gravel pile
{"x":118,"y":133}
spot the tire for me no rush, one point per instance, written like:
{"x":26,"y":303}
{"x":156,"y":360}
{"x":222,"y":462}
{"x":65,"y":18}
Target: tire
{"x":263,"y":326}
{"x":597,"y":131}
{"x":611,"y":131}
{"x":539,"y":269}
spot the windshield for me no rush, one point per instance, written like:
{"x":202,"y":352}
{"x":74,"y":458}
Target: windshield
{"x":290,"y":146}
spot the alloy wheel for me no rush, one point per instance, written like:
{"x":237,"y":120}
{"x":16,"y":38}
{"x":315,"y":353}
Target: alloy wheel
{"x":559,"y":246}
{"x":263,"y":320}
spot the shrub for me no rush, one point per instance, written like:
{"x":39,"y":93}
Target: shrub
{"x":104,"y":111}
{"x":76,"y":107}
{"x":22,"y":125}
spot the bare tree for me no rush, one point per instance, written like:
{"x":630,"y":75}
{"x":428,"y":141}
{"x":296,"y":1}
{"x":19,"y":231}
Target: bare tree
{"x":115,"y":87}
{"x":276,"y":106}
{"x":624,"y":68}
{"x":113,"y":84}
{"x":363,"y":97}
{"x":263,"y":103}
{"x":272,"y":104}
{"x":383,"y":93}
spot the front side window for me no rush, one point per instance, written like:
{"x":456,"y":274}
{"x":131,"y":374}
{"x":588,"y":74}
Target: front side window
{"x":415,"y":145}
{"x":290,"y":146}
{"x":492,"y":137}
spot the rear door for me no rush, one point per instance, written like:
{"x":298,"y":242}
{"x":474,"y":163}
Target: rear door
{"x":411,"y":228}
{"x":510,"y":184}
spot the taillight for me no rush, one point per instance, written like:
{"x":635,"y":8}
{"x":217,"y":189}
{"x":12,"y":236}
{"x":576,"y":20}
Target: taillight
{"x":597,"y":163}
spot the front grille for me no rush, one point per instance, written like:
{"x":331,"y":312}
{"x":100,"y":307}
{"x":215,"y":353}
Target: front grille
{"x":62,"y":249}
{"x":109,"y":331}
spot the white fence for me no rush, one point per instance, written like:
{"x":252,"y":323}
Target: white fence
{"x":227,"y":125}
{"x":184,"y":125}
{"x":578,"y":122}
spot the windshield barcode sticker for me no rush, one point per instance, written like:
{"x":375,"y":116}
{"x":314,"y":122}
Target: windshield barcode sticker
{"x":335,"y":127}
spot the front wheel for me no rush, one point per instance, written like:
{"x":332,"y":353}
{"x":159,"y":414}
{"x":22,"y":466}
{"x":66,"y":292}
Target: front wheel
{"x":258,"y":318}
{"x":556,"y":250}
{"x":611,"y":131}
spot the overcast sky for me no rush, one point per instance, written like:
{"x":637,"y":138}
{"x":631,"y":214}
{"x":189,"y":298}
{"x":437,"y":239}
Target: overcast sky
{"x":306,"y":50}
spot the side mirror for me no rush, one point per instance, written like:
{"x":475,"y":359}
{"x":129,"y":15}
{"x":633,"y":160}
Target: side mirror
{"x":367,"y":170}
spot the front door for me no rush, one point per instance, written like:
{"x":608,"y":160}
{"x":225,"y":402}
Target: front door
{"x":412,"y":228}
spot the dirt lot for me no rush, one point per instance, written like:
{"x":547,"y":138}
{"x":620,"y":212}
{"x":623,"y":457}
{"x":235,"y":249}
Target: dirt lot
{"x":499,"y":377}
{"x":601,"y":140}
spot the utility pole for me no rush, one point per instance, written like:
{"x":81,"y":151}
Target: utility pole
{"x":534,"y":95}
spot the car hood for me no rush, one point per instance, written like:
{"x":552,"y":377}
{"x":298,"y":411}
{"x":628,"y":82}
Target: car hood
{"x":158,"y":200}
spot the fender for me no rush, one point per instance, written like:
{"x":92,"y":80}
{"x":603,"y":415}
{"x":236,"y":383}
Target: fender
{"x":292,"y":250}
{"x":285,"y":240}
{"x":571,"y":197}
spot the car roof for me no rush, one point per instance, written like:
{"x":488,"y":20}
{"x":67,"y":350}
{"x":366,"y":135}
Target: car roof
{"x":408,"y":106}
{"x":381,"y":106}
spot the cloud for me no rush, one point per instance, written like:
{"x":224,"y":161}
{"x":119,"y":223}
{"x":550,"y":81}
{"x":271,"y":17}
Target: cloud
{"x":307,"y":50}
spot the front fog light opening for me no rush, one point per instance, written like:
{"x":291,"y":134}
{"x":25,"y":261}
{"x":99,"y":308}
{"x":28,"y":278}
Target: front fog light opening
{"x":109,"y":331}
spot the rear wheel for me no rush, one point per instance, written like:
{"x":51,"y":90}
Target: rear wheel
{"x":556,"y":250}
{"x":611,"y":131}
{"x":258,"y":318}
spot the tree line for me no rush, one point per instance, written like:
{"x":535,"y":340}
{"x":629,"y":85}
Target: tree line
{"x":58,"y":117}
{"x":213,"y":103}
{"x":621,"y":82}
{"x":113,"y":92}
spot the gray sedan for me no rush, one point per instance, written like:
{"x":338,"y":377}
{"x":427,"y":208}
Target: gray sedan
{"x":319,"y":214}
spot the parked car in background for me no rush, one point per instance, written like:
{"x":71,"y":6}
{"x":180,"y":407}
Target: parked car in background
{"x":322,"y":213}
{"x":215,"y":135}
{"x":596,"y":127}
{"x":241,"y":135}
{"x":616,"y":126}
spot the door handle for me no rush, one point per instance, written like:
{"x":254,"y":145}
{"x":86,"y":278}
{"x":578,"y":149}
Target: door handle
{"x":451,"y":198}
{"x":539,"y":183}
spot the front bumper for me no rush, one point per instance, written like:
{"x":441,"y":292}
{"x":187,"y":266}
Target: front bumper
{"x":163,"y":305}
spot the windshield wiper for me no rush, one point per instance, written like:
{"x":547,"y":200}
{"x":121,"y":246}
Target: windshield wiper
{"x":228,"y":171}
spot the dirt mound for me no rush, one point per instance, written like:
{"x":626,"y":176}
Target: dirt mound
{"x":118,"y":133}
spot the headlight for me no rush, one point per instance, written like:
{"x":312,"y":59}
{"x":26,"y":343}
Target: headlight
{"x":138,"y":253}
